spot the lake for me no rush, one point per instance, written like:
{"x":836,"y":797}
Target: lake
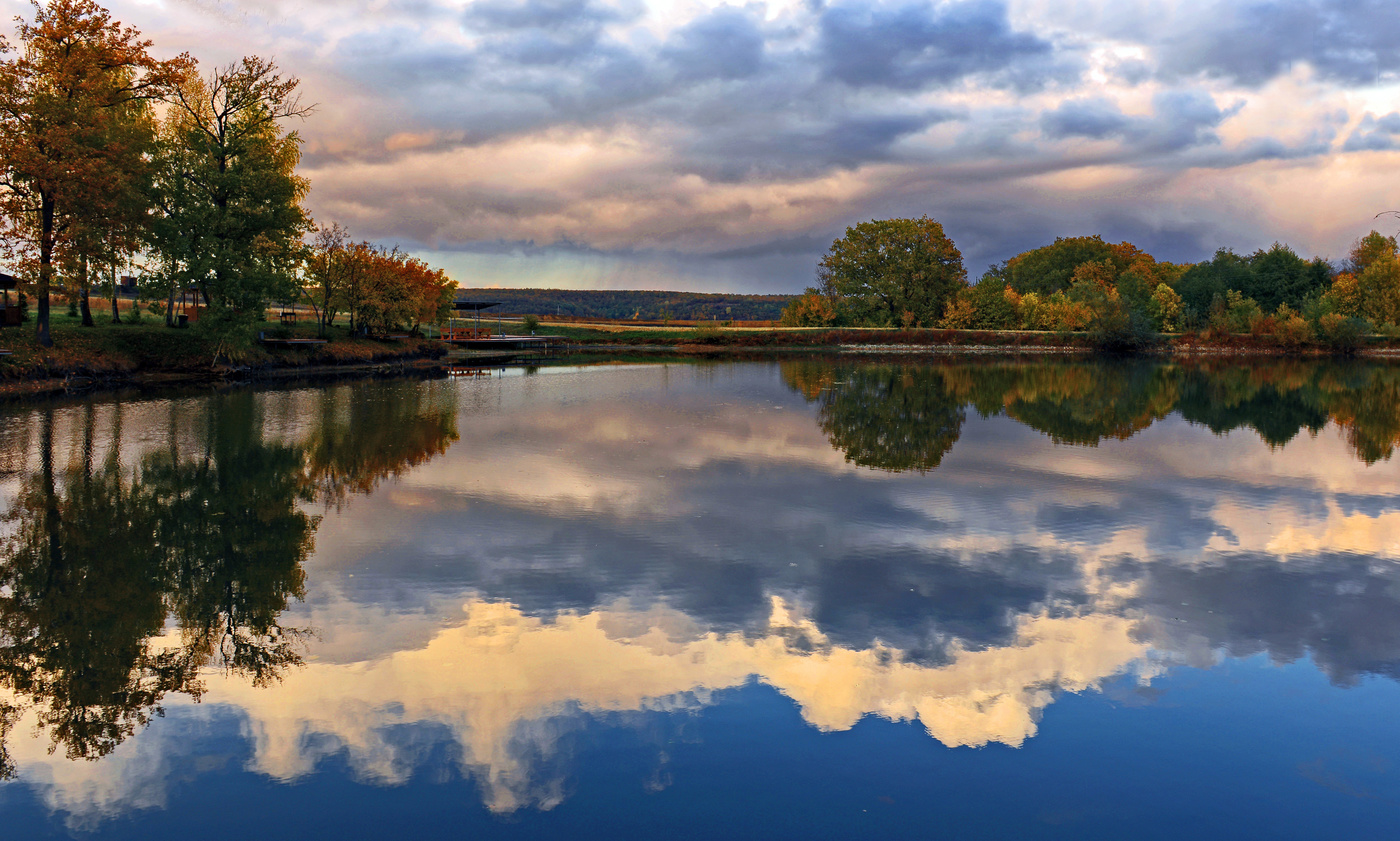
{"x":809,"y":598}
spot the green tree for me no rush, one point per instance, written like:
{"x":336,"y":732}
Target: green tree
{"x":230,"y":220}
{"x":1051,"y":268}
{"x":76,"y":74}
{"x":1279,"y":276}
{"x":893,"y":271}
{"x":1165,"y":309}
{"x":1202,"y":283}
{"x":110,"y":227}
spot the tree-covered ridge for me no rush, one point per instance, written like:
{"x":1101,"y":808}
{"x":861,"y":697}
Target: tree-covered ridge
{"x":641,"y":305}
{"x":906,"y":272}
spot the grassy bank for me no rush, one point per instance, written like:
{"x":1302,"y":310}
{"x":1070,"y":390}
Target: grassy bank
{"x":708,"y":338}
{"x":148,"y":351}
{"x":123,"y":352}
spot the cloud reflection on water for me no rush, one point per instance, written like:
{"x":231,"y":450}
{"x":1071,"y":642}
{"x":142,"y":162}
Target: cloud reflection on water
{"x":610,"y":541}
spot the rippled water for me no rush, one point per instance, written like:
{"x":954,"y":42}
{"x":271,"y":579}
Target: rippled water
{"x":808,"y":599}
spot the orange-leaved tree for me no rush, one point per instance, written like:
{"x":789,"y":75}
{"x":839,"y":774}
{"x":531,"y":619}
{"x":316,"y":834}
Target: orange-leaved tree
{"x":76,"y":73}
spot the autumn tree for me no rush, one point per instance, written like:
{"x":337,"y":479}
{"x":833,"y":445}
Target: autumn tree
{"x":327,"y":273}
{"x":108,"y":228}
{"x":893,"y":271}
{"x":394,"y":291}
{"x":1378,"y":290}
{"x":1368,"y":249}
{"x":810,"y":309}
{"x":230,"y":219}
{"x":77,"y":73}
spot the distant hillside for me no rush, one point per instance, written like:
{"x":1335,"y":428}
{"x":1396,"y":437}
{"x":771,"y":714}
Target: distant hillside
{"x":645,"y":306}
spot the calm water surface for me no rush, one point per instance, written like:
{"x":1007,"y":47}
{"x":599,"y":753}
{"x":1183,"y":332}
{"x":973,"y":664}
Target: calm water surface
{"x":807,"y":599}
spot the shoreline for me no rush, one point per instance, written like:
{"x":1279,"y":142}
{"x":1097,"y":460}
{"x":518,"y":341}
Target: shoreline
{"x":79,"y":372}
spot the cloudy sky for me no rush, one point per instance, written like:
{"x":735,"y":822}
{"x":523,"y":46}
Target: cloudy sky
{"x":716,"y":147}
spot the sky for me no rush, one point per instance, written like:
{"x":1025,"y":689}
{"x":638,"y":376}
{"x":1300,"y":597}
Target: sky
{"x":709,"y":146}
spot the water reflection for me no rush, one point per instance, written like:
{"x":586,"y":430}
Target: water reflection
{"x":206,"y":532}
{"x":496,"y":561}
{"x":908,"y":416}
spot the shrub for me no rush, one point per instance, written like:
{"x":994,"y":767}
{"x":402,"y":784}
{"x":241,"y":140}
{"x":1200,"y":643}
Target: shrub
{"x":1293,"y":332}
{"x":1232,"y":313}
{"x":531,"y":323}
{"x":810,"y":309}
{"x":1119,"y":329}
{"x":1342,"y":334}
{"x":705,"y":332}
{"x":958,"y":314}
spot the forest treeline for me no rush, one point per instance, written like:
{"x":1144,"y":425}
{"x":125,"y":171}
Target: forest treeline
{"x":633,"y":304}
{"x":907,"y":272}
{"x":111,"y":159}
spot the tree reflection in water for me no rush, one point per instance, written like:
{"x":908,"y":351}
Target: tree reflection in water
{"x":213,"y":536}
{"x":907,"y":416}
{"x":894,"y":417}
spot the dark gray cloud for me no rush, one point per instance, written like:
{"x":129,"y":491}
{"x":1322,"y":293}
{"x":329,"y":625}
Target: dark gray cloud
{"x":1375,"y":134}
{"x":1095,"y":118}
{"x":1351,"y":41}
{"x":545,"y":15}
{"x":1181,"y":119}
{"x":915,"y":45}
{"x":726,"y":44}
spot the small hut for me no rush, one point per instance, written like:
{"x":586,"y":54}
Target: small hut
{"x":475,"y":331}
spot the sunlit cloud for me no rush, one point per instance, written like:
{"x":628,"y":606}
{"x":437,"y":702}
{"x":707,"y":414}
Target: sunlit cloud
{"x":719,"y":146}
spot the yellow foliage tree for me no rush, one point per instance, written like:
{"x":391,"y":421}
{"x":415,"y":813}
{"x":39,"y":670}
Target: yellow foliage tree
{"x":1378,"y":290}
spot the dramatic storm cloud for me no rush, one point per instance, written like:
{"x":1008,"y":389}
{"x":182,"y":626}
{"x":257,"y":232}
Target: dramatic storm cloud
{"x":712,"y":146}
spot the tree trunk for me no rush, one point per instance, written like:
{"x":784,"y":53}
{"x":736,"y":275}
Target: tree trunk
{"x":170,"y":307}
{"x":46,"y":237}
{"x":116,"y":313}
{"x":83,"y":297}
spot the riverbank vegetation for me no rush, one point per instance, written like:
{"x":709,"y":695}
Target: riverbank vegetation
{"x":907,"y":273}
{"x":111,"y":159}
